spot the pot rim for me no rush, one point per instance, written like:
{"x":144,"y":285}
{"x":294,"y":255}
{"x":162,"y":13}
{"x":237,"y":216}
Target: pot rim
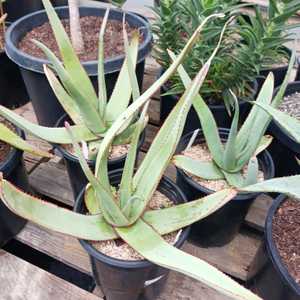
{"x":197,"y":186}
{"x":74,"y":158}
{"x":138,"y":263}
{"x":289,"y":52}
{"x":35,"y":64}
{"x":272,"y":249}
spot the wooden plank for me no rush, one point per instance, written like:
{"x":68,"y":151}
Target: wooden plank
{"x":151,"y":131}
{"x":61,"y":247}
{"x":258,"y":211}
{"x":19,"y":280}
{"x":181,"y":287}
{"x":154,"y":113}
{"x":51,"y":179}
{"x":234,"y":258}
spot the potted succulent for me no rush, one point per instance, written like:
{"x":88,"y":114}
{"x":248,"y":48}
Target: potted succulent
{"x":30,"y":58}
{"x":217,"y":158}
{"x":250,"y":46}
{"x":104,"y":212}
{"x":13,"y":169}
{"x":286,"y":149}
{"x":12,"y":92}
{"x":91,"y":114}
{"x":278,"y":277}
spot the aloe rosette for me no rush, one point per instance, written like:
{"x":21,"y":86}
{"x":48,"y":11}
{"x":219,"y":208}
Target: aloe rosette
{"x":243,"y":145}
{"x":91,"y":114}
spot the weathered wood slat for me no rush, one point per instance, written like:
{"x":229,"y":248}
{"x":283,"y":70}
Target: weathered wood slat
{"x":234,"y":258}
{"x":258,"y":211}
{"x":61,"y":247}
{"x":22,"y":281}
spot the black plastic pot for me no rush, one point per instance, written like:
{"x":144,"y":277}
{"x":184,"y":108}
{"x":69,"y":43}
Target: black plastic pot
{"x":45,"y":104}
{"x":284,"y":149}
{"x":17,"y":9}
{"x":130,"y":280}
{"x":298,"y":73}
{"x":167,"y":103}
{"x":279,"y":72}
{"x":13,"y":170}
{"x":274,"y":282}
{"x":12,"y":89}
{"x":220,"y":227}
{"x":77,"y":178}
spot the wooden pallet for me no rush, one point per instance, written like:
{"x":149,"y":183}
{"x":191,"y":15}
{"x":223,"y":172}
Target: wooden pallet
{"x":23,"y":274}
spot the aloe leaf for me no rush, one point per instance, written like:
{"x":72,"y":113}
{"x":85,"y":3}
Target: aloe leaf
{"x":91,"y":202}
{"x":265,"y":142}
{"x":265,"y":95}
{"x":70,"y":59}
{"x":53,"y":217}
{"x":252,"y":172}
{"x":11,"y":138}
{"x":102,"y":97}
{"x":207,"y":120}
{"x":279,"y":96}
{"x":285,"y":185}
{"x":51,"y":135}
{"x":164,"y":145}
{"x":126,"y":136}
{"x":174,"y":218}
{"x":111,"y":211}
{"x":288,"y":123}
{"x":258,"y":120}
{"x":229,"y":159}
{"x":128,"y":171}
{"x":120,"y":97}
{"x":130,"y":66}
{"x":68,"y":104}
{"x":153,"y":247}
{"x":136,"y":105}
{"x":202,"y":169}
{"x":235,"y":179}
{"x":88,"y":111}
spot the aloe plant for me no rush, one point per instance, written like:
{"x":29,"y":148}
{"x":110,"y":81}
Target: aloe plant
{"x":91,"y":114}
{"x":242,"y":146}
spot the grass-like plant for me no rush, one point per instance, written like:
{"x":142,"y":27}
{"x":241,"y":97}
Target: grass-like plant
{"x":242,"y":146}
{"x":251,"y":43}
